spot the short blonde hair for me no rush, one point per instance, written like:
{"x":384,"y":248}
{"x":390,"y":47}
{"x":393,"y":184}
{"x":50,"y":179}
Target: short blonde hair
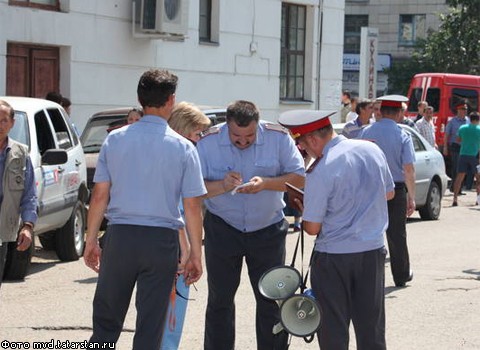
{"x":186,"y":117}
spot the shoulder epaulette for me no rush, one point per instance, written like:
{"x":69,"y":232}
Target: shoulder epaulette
{"x":276,"y":127}
{"x":210,"y":131}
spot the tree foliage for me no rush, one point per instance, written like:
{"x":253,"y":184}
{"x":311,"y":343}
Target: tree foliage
{"x":454,"y":48}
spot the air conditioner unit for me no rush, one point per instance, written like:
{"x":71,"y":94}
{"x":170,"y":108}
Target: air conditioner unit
{"x":162,"y":16}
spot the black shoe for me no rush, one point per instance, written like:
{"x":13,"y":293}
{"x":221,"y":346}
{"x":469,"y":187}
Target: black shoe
{"x":402,"y":284}
{"x":454,"y":204}
{"x":462,"y":193}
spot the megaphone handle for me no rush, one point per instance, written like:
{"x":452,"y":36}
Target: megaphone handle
{"x":295,"y":251}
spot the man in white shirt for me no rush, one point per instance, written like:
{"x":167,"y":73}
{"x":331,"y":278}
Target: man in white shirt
{"x":426,"y":128}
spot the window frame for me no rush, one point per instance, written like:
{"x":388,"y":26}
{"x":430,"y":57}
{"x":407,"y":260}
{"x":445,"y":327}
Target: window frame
{"x":29,"y":3}
{"x":286,"y":53}
{"x":415,"y":36}
{"x":354,"y":34}
{"x":212,"y":14}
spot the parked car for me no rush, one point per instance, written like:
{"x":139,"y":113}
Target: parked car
{"x":60,"y":175}
{"x":430,"y":177}
{"x":97,"y":127}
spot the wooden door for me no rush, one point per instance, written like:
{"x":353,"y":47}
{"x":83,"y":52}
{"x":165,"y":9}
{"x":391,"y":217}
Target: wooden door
{"x":32,"y":71}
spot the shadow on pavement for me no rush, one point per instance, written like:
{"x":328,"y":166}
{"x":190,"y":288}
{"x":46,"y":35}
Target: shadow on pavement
{"x":87,"y":280}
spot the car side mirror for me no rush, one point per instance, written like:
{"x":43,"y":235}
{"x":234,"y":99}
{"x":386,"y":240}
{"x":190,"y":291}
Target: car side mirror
{"x":54,"y":157}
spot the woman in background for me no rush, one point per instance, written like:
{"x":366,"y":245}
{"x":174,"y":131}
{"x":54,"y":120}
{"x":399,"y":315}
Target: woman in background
{"x":189,"y":121}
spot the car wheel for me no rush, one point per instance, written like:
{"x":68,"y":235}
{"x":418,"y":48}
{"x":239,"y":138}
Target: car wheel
{"x":70,"y":239}
{"x":433,"y":205}
{"x":17,"y":263}
{"x":47,"y":240}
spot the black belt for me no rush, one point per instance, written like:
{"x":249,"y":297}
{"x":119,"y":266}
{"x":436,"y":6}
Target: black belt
{"x":399,"y":185}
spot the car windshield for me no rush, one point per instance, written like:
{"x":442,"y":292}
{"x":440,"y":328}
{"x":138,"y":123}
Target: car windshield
{"x":96,"y":131}
{"x":19,"y":131}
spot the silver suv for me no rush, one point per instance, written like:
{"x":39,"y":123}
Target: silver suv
{"x":61,"y":179}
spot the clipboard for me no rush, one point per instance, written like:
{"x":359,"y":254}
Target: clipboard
{"x":294,"y":193}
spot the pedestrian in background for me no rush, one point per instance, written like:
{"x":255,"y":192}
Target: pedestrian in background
{"x":18,"y":194}
{"x":469,"y":138}
{"x":426,"y":128}
{"x":353,"y":128}
{"x":348,"y":264}
{"x":143,"y":170}
{"x":398,"y":148}
{"x":245,"y":223}
{"x":189,"y":121}
{"x":451,"y":144}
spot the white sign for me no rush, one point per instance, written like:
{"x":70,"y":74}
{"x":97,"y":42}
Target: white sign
{"x":351,"y":62}
{"x":368,"y":60}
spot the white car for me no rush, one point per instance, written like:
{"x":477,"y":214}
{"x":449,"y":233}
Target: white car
{"x":61,"y":179}
{"x":430,"y":177}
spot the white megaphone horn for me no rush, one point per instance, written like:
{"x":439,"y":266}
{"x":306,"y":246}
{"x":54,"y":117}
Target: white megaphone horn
{"x":300,"y":315}
{"x":279,"y":283}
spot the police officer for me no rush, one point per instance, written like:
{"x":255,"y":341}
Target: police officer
{"x":398,"y":148}
{"x":141,"y":196}
{"x":18,"y":196}
{"x":345,"y":206}
{"x":451,"y":142}
{"x":247,"y":222}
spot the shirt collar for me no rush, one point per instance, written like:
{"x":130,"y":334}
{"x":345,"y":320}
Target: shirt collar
{"x":149,"y":118}
{"x":8,"y":147}
{"x":333,"y":142}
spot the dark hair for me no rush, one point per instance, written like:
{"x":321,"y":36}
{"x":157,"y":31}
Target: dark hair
{"x":362,"y":104}
{"x":388,"y":110}
{"x":474,"y":117}
{"x":347,"y":93}
{"x":242,"y":113}
{"x":155,"y":87}
{"x":6,"y":104}
{"x":54,"y":97}
{"x":66,"y":102}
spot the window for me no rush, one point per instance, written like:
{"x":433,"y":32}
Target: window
{"x":61,"y":129}
{"x":470,"y":97}
{"x":44,"y":134}
{"x":209,"y":21}
{"x":433,"y":98}
{"x":292,"y":56}
{"x":19,"y":131}
{"x":353,"y":25}
{"x":415,"y":97}
{"x":412,"y":28}
{"x":43,"y":4}
{"x":418,"y":145}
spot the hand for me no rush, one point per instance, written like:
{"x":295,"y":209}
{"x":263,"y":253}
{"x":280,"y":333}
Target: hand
{"x":445,"y":150}
{"x":257,"y":185}
{"x":299,"y":204}
{"x":231,"y":180}
{"x":92,"y":255}
{"x":24,"y":239}
{"x":193,"y":270}
{"x":184,"y":256}
{"x":410,"y":206}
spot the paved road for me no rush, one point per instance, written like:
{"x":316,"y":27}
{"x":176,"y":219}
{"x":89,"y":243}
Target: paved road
{"x":440,"y":309}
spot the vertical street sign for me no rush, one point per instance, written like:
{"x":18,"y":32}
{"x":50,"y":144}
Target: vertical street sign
{"x":368,"y":58}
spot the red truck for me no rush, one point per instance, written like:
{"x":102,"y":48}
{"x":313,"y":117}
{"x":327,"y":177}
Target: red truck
{"x":443,"y":92}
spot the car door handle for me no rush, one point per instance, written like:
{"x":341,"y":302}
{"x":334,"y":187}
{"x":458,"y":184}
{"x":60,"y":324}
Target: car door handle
{"x":77,"y":162}
{"x":60,"y":169}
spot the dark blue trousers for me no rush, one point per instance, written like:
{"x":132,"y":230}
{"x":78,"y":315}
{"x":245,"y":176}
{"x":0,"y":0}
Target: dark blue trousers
{"x":145,"y":256}
{"x":350,"y":287}
{"x":225,"y":248}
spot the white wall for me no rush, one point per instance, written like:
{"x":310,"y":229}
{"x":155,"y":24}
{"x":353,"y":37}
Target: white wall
{"x":101,"y":61}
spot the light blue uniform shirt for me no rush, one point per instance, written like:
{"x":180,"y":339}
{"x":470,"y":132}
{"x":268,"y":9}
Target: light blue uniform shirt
{"x":346,"y":193}
{"x":452,"y":128}
{"x":272,"y":154}
{"x":150,"y":167}
{"x":394,"y":142}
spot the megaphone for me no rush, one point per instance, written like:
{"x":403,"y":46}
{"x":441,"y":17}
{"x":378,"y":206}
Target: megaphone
{"x":300,"y":315}
{"x":279,"y":283}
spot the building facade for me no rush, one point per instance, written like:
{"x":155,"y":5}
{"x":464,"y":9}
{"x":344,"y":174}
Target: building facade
{"x":281,"y":55}
{"x":400,"y":25}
